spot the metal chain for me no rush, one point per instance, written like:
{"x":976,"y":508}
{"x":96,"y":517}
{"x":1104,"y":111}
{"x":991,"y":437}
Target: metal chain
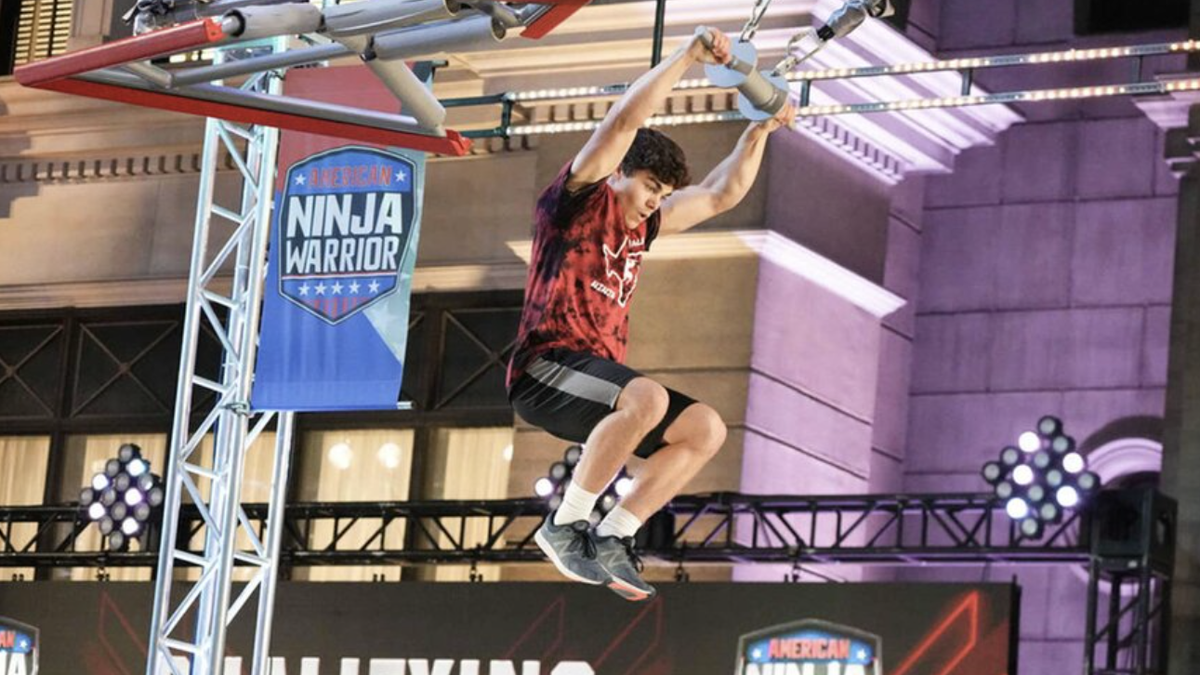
{"x":789,"y":62}
{"x":756,"y":17}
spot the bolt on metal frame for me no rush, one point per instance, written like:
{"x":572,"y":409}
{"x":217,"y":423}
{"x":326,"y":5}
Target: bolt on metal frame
{"x":200,"y":643}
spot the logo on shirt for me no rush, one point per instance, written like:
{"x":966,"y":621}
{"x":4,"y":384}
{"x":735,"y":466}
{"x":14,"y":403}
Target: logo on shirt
{"x":621,"y":269}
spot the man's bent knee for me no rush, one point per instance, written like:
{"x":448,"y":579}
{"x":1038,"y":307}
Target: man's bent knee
{"x":699,"y":427}
{"x":645,"y":399}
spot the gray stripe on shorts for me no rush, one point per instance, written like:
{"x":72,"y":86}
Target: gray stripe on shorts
{"x":574,"y":382}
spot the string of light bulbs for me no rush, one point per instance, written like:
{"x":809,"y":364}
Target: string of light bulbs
{"x":972,"y":63}
{"x":1034,"y":95}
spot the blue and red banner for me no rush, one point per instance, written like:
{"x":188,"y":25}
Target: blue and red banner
{"x":342,"y":251}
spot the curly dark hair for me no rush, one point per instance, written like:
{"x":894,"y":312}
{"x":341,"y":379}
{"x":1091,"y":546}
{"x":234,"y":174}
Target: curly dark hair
{"x":655,"y":152}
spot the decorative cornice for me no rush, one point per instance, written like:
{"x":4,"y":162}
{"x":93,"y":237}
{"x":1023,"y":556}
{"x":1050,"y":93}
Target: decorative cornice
{"x":134,"y":292}
{"x":774,"y":248}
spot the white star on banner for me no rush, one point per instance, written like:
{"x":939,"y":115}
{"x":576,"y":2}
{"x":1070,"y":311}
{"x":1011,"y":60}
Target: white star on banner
{"x":299,"y":179}
{"x":303,"y":289}
{"x":374,"y":286}
{"x":337,"y":288}
{"x":401,"y":176}
{"x":757,"y":653}
{"x":862,"y":655}
{"x":320,"y":289}
{"x":354,"y":288}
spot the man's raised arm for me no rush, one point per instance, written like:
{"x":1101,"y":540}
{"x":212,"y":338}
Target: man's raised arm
{"x":603,"y":152}
{"x":728,"y":182}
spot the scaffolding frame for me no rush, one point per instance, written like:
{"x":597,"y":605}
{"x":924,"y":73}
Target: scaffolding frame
{"x":233,"y":316}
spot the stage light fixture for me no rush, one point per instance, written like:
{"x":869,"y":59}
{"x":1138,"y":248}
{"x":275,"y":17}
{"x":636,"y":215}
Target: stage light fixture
{"x":559,"y":472}
{"x":122,"y":498}
{"x":1050,"y":512}
{"x":1041,"y":479}
{"x":136,"y":468}
{"x":553,"y":485}
{"x":1073,"y":462}
{"x":1016,"y":508}
{"x":992,"y":472}
{"x":1004,"y":489}
{"x":1022,"y":475}
{"x":572,"y":456}
{"x":1029,"y":442}
{"x":623,"y":485}
{"x":1010,"y":456}
{"x":1049,"y":426}
{"x":1067,"y":496}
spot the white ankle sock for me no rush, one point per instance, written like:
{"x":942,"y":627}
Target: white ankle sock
{"x":619,"y":523}
{"x":577,"y":505}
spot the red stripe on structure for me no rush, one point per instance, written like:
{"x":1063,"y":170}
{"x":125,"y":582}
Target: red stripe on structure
{"x":452,"y":143}
{"x":970,"y":607}
{"x":560,"y":12}
{"x":137,"y":48}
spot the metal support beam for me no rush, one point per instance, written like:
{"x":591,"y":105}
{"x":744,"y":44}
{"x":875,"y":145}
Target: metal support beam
{"x":214,"y":485}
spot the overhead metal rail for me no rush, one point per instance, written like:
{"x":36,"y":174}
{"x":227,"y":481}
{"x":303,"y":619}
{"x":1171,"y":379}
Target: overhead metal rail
{"x":384,"y":34}
{"x":712,"y":528}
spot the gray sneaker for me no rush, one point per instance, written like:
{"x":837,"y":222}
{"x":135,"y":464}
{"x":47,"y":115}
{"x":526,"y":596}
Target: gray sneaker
{"x":624,"y":568}
{"x":572,"y":549}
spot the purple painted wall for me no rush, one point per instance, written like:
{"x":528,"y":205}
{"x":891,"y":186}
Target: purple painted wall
{"x":1045,"y":284}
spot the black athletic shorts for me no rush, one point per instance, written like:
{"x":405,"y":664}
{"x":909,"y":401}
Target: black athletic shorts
{"x":567,"y":394}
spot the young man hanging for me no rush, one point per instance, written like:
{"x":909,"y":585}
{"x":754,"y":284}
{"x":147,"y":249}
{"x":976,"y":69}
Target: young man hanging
{"x":626,"y":187}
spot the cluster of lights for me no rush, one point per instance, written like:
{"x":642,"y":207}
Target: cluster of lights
{"x":552,"y":486}
{"x":123,"y":497}
{"x":341,"y":455}
{"x":1041,"y":478}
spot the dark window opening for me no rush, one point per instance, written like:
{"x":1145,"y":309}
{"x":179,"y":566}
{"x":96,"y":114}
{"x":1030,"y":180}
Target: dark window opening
{"x":1129,"y":16}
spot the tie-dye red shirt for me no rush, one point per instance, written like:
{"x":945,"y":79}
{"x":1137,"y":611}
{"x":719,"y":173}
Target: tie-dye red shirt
{"x":583,"y":271}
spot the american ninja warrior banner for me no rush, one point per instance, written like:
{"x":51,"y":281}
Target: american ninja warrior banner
{"x":557,"y":629}
{"x":342,"y":250}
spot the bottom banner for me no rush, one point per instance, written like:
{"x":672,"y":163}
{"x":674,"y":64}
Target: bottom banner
{"x":552,"y":629}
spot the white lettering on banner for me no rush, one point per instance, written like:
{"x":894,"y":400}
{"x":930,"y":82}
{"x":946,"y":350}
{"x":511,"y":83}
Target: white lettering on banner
{"x":421,"y":667}
{"x":324,"y":236}
{"x":351,"y":666}
{"x":386,"y":667}
{"x":507,"y":668}
{"x":16,"y":663}
{"x":573,"y":668}
{"x":830,"y":668}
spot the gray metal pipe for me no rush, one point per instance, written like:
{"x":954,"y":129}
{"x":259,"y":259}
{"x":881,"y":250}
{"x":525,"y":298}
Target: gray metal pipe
{"x":275,"y":20}
{"x":283,"y":104}
{"x":471,"y":34}
{"x":294,"y":57}
{"x":375,"y":16}
{"x":415,"y":98}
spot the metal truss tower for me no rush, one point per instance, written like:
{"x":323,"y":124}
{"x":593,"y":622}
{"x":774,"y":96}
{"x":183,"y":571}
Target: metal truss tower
{"x":189,"y":626}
